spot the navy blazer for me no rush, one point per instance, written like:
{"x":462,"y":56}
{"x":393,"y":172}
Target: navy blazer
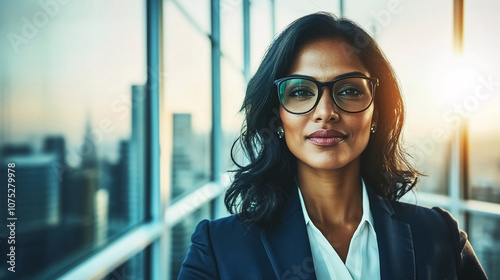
{"x":414,"y":243}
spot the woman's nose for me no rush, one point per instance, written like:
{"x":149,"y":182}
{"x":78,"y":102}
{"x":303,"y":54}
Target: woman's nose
{"x":326,"y":110}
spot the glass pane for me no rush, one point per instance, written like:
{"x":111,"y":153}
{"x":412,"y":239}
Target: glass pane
{"x":187,"y":100}
{"x":231,"y":32}
{"x":198,"y":12}
{"x":232,"y":80}
{"x":181,"y":237}
{"x":484,"y":235}
{"x":260,"y":31}
{"x":424,"y":74}
{"x":133,"y":269}
{"x":72,"y":122}
{"x":233,"y":92}
{"x":482,"y":101}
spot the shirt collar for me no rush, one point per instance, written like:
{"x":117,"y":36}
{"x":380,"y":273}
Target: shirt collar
{"x":367,"y":215}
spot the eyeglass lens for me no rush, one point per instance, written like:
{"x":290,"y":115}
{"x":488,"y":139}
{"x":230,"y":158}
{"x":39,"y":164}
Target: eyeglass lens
{"x":299,"y":95}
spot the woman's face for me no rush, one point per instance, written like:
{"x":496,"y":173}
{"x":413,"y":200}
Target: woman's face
{"x":340,"y":137}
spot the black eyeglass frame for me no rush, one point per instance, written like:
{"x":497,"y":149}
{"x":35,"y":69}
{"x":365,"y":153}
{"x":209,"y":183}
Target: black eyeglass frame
{"x":373,"y":81}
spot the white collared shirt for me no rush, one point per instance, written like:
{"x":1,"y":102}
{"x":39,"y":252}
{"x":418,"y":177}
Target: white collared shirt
{"x":362,"y":260}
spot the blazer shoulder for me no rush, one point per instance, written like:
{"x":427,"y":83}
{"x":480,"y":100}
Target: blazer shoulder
{"x":438,"y":227}
{"x":207,"y":247}
{"x":429,"y":226}
{"x":216,"y":251}
{"x":467,"y":262}
{"x":437,"y":218}
{"x":200,"y":262}
{"x":230,"y":226}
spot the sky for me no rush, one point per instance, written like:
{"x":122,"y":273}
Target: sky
{"x":72,"y":66}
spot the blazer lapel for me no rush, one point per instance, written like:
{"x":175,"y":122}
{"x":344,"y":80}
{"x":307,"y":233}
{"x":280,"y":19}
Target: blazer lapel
{"x":287,"y":245}
{"x":395,"y":243}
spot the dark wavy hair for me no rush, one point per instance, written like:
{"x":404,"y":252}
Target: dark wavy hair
{"x":261,"y":187}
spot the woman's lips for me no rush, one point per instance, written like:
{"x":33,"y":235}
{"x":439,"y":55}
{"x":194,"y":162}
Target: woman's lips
{"x":326,"y":137}
{"x":326,"y":141}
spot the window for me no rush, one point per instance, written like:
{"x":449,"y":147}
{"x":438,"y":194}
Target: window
{"x":187,"y":97}
{"x":72,"y":111}
{"x":232,"y":75}
{"x":480,"y":105}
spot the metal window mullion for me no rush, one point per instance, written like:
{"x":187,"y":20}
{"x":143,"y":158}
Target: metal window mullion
{"x":481,"y":208}
{"x":182,"y":208}
{"x":246,"y":40}
{"x":273,"y":17}
{"x":444,"y":201}
{"x":116,"y":253}
{"x":454,"y":179}
{"x":216,"y":145}
{"x":461,"y":141}
{"x":154,"y":258}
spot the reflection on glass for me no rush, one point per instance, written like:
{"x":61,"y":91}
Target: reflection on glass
{"x":72,"y":111}
{"x":484,"y":234}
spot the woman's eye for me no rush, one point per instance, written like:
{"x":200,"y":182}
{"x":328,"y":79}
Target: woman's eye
{"x":350,"y":93}
{"x":300,"y":93}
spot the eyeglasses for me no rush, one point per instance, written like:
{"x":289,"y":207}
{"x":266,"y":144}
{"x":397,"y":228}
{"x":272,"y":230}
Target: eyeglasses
{"x":300,"y":94}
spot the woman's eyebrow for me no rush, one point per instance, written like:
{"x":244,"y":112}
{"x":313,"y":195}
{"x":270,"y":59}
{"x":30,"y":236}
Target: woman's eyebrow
{"x":355,"y":73}
{"x":349,"y":74}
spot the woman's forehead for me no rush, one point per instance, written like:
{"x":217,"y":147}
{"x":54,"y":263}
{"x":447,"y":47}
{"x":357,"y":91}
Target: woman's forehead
{"x":325,"y":59}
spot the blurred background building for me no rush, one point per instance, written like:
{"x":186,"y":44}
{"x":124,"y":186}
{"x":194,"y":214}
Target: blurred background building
{"x":120,"y":115}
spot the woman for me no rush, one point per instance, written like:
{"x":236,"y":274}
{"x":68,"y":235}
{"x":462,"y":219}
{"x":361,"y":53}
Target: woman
{"x":318,"y":199}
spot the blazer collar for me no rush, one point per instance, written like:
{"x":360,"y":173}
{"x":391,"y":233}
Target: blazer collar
{"x":395,"y":242}
{"x":289,"y":251}
{"x":287,"y":245}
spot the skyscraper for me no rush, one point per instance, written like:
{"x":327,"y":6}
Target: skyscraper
{"x":137,"y":163}
{"x":88,"y":178}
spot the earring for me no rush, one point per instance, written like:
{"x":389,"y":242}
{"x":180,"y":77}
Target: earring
{"x":373,"y":129}
{"x":280,"y":132}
